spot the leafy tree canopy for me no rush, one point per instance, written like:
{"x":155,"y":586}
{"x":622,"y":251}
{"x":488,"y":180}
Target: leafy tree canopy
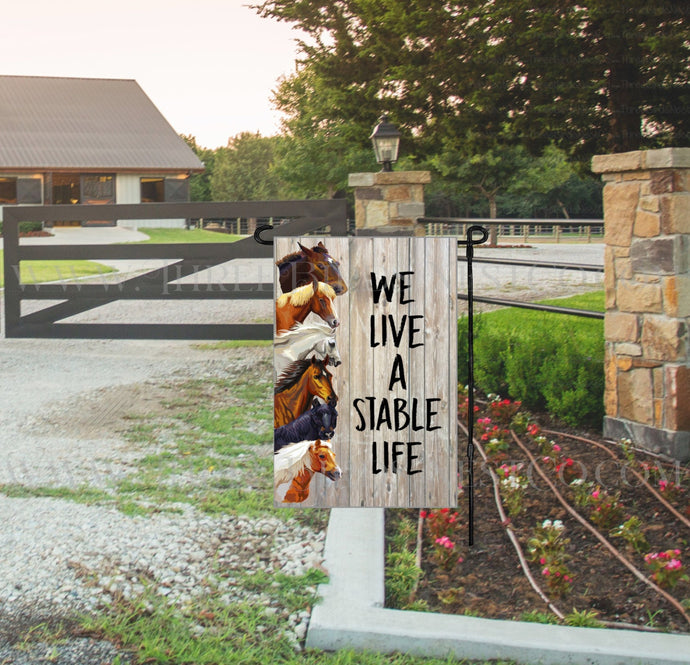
{"x":591,"y":76}
{"x":243,"y":171}
{"x":200,"y":183}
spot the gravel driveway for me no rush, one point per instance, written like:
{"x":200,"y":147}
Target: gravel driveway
{"x":61,"y":403}
{"x":62,"y":407}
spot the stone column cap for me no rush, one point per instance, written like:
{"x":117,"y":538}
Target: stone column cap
{"x":389,"y":178}
{"x":638,"y":160}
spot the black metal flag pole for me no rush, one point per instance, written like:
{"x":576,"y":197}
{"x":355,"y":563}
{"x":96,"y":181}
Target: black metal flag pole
{"x":469,"y":253}
{"x":259,"y":230}
{"x":469,"y":243}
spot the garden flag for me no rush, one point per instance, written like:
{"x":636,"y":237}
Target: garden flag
{"x":365,"y":359}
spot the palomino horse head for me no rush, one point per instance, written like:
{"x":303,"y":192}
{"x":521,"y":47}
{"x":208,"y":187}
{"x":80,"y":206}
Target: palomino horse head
{"x":322,"y":305}
{"x":295,"y":306}
{"x":322,"y":460}
{"x":302,"y":267}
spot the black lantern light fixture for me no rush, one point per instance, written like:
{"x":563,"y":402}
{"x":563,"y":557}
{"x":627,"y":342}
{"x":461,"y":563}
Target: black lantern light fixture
{"x":386,"y":141}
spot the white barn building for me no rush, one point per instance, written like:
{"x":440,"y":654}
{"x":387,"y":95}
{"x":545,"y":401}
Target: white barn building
{"x":77,"y":140}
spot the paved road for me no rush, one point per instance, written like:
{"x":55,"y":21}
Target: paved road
{"x":522,"y":283}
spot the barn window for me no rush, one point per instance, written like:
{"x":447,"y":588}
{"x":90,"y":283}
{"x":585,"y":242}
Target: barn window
{"x":8,"y":190}
{"x":29,"y":190}
{"x":66,"y":188}
{"x":152,"y":190}
{"x":98,"y":189}
{"x":159,"y":190}
{"x":176,"y":190}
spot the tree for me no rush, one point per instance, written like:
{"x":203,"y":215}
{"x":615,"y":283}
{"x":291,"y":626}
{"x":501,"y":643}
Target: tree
{"x":589,"y":76}
{"x":488,"y":173}
{"x":200,"y":183}
{"x":317,"y":151}
{"x":243,"y":171}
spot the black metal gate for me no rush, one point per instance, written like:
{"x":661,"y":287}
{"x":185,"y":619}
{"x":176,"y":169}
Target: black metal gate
{"x":287,"y":217}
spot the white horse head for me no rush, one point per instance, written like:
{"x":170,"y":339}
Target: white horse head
{"x":305,"y":340}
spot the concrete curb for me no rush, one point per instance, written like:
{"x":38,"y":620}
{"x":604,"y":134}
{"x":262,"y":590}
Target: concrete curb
{"x":351,"y":616}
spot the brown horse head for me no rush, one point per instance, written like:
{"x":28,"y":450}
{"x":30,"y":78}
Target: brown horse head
{"x":320,"y":382}
{"x":302,"y":267}
{"x":322,"y":460}
{"x":295,"y":306}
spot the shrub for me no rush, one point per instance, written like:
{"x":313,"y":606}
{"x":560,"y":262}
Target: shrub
{"x":545,"y":360}
{"x":27,"y":227}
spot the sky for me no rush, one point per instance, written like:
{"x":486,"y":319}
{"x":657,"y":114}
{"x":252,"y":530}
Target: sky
{"x":209,"y":66}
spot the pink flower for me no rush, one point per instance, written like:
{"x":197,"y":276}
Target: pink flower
{"x":673,"y":564}
{"x":423,"y":514}
{"x":595,"y":494}
{"x":542,"y":561}
{"x":556,"y":447}
{"x":545,"y":572}
{"x":460,"y":559}
{"x":662,"y":485}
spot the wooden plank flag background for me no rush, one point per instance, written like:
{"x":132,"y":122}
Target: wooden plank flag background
{"x":396,"y":436}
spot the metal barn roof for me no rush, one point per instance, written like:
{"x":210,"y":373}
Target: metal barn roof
{"x":79,"y":123}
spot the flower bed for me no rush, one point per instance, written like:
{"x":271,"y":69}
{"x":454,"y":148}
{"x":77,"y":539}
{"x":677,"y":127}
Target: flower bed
{"x":602,"y":530}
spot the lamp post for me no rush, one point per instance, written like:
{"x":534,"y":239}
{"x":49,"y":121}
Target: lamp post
{"x":386,"y":141}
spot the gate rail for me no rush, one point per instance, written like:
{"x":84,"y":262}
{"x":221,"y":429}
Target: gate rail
{"x":305,"y":217}
{"x":587,"y":267}
{"x":509,"y":227}
{"x":462,"y":223}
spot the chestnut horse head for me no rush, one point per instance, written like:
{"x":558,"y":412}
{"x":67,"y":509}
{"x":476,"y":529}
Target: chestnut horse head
{"x":295,"y":306}
{"x":300,"y":268}
{"x":301,"y":381}
{"x":298,"y":462}
{"x":322,"y":460}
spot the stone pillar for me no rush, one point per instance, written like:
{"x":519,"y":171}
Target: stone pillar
{"x":647,"y":281}
{"x":389,"y":202}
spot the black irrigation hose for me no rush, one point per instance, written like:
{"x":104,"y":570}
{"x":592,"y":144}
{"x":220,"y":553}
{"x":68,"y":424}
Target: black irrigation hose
{"x":638,"y":475}
{"x":518,"y":548}
{"x":511,"y":534}
{"x":598,"y":535}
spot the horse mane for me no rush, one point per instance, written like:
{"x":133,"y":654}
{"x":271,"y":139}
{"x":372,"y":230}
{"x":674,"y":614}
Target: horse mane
{"x":303,"y":294}
{"x":291,"y":375}
{"x":289,"y":258}
{"x":291,"y":460}
{"x":302,"y":328}
{"x":296,"y":256}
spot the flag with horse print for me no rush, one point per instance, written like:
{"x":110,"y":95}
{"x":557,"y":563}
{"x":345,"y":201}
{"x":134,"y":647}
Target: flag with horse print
{"x":365,"y":372}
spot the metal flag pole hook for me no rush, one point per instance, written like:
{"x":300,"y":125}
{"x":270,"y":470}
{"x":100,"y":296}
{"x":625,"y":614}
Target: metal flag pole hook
{"x":259,"y":230}
{"x":469,"y":243}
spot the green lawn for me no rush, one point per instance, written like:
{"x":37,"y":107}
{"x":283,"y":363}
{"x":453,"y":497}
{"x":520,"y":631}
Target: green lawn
{"x":161,"y":235}
{"x":33,"y":272}
{"x":593,"y":301}
{"x":51,"y":271}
